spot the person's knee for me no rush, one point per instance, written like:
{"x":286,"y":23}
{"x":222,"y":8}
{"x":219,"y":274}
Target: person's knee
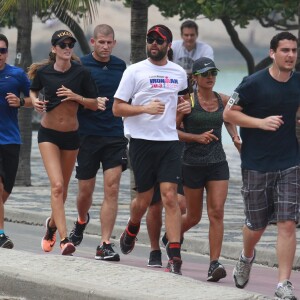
{"x":216,"y":214}
{"x":57,"y":189}
{"x":84,"y":192}
{"x":286,"y":228}
{"x":169,"y":199}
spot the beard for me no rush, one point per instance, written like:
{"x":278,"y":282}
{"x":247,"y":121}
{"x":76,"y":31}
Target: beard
{"x":159,"y":55}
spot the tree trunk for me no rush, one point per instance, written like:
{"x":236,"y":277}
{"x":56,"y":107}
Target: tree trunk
{"x":238,"y":44}
{"x":139,"y":23}
{"x":24,"y":60}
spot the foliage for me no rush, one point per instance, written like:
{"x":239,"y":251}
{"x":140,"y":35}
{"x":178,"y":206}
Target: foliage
{"x":49,"y":9}
{"x":270,"y":13}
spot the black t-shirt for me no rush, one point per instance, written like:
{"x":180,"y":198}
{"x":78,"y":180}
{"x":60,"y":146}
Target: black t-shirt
{"x":77,"y":78}
{"x":262,"y":96}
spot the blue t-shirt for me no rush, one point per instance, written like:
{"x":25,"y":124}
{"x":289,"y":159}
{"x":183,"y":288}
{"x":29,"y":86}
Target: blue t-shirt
{"x":12,"y":80}
{"x":107,"y":76}
{"x":262,"y":96}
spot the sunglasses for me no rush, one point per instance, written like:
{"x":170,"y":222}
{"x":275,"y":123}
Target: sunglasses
{"x":159,"y":40}
{"x":63,"y":45}
{"x":3,"y":50}
{"x":207,"y":73}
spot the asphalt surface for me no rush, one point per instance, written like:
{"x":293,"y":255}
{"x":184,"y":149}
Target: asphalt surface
{"x":37,"y":277}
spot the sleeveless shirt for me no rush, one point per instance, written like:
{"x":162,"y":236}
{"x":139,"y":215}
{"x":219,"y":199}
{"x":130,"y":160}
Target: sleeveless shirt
{"x":200,"y":121}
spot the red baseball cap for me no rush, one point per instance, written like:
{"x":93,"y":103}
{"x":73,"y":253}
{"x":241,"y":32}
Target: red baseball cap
{"x":163,"y":31}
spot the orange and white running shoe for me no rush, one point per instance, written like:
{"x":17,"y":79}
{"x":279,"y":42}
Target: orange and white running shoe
{"x":49,"y":238}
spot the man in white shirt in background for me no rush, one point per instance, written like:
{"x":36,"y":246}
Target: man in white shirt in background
{"x":187,"y":50}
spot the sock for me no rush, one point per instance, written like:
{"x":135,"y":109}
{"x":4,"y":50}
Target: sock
{"x":279,"y":284}
{"x":81,"y":222}
{"x":247,"y":259}
{"x":1,"y":231}
{"x":174,"y":250}
{"x":133,"y":228}
{"x":64,"y":240}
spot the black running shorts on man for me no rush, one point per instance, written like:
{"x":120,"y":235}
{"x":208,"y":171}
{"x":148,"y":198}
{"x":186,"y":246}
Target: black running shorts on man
{"x":95,"y":150}
{"x":9,"y":160}
{"x":154,"y":161}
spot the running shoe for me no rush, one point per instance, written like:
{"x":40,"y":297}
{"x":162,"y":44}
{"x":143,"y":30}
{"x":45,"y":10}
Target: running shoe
{"x":106,"y":252}
{"x":127,"y":241}
{"x":241,"y":272}
{"x":49,"y":239}
{"x":285,"y":291}
{"x":67,"y":247}
{"x":5,"y":242}
{"x":216,"y":271}
{"x":76,"y":234}
{"x":174,"y":266}
{"x":154,"y":260}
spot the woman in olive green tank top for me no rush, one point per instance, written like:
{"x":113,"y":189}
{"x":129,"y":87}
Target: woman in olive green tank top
{"x":204,"y":165}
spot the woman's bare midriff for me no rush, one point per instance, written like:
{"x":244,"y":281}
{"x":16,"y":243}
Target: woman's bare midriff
{"x":62,"y":118}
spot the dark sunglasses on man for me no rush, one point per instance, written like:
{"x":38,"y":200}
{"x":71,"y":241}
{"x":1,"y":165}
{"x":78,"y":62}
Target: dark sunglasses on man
{"x":213,"y":73}
{"x":63,"y":45}
{"x":3,"y":50}
{"x":151,"y":39}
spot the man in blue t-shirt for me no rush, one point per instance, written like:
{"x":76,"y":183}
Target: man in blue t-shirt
{"x":102,"y":142}
{"x":13,"y":82}
{"x":264,"y":105}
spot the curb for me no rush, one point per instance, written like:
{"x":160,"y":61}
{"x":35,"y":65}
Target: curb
{"x":49,"y":277}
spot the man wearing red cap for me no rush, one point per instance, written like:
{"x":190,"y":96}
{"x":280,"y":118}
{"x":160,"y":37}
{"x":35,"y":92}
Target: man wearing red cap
{"x":153,"y":87}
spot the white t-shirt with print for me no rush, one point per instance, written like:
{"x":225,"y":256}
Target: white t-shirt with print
{"x":142,"y":82}
{"x":185,"y":58}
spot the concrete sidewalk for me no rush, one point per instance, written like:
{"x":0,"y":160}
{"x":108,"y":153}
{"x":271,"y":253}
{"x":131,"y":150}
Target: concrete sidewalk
{"x":37,"y":277}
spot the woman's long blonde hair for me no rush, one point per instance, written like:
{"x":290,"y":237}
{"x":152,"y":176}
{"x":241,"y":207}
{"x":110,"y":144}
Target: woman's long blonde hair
{"x":51,"y":60}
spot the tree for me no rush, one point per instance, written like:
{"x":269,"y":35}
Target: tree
{"x":23,"y":60}
{"x":278,"y":14}
{"x":68,"y":12}
{"x":139,"y":23}
{"x":19,"y":14}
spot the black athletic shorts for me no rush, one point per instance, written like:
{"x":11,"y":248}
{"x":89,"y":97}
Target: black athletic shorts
{"x":195,"y":177}
{"x":68,"y":140}
{"x":154,"y":162}
{"x":9,"y":161}
{"x":95,"y":150}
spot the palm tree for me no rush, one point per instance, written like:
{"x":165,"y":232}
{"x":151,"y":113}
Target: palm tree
{"x":22,"y":19}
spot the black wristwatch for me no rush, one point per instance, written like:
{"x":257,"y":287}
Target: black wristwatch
{"x":22,"y":102}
